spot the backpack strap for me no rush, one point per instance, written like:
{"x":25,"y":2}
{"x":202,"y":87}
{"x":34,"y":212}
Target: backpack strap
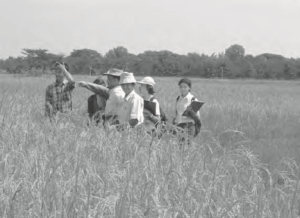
{"x":152,"y":98}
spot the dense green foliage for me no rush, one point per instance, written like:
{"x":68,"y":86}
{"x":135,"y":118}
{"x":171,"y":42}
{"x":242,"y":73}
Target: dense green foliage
{"x":233,"y":63}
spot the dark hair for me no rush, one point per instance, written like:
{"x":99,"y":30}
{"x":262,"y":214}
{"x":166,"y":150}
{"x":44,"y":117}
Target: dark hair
{"x":67,"y":67}
{"x":63,"y":63}
{"x":150,"y":89}
{"x":99,"y":81}
{"x":186,"y":81}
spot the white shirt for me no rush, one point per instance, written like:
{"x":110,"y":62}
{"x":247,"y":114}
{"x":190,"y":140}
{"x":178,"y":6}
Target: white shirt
{"x":131,"y":108}
{"x":115,"y":100}
{"x":181,"y":105}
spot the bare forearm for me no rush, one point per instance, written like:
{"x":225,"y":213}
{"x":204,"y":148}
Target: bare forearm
{"x":133,"y":122}
{"x":68,"y":76}
{"x":97,"y":89}
{"x":154,"y":119}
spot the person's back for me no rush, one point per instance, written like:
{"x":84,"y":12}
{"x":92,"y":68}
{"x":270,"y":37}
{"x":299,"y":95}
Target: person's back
{"x":96,"y":103}
{"x":115,"y":100}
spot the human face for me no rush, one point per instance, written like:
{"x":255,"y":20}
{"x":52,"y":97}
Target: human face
{"x":128,"y":87}
{"x":143,"y":90}
{"x":59,"y":75}
{"x":112,"y":82}
{"x":184,"y":89}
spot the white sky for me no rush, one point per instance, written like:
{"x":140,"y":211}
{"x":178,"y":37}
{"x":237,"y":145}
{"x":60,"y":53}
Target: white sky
{"x":182,"y":26}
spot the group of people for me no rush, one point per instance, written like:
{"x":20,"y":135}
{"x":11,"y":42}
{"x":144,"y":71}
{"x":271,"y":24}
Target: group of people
{"x":116,"y":103}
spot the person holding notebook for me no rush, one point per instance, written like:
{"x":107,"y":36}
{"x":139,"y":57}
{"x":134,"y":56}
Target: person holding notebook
{"x":191,"y":121}
{"x":151,"y":105}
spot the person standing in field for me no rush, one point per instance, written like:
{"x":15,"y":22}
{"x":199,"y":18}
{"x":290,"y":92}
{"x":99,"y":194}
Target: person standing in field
{"x":96,"y":103}
{"x":131,"y":110}
{"x":59,"y":94}
{"x":191,"y":123}
{"x":114,"y":94}
{"x":147,"y":92}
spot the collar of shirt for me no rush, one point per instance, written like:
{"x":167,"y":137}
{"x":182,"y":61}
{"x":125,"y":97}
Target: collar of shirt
{"x":126,"y":98}
{"x":116,"y":88}
{"x":148,"y":99}
{"x":61,"y":84}
{"x":189,"y":95}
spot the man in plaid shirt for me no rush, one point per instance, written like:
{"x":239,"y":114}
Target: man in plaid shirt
{"x":59,"y":94}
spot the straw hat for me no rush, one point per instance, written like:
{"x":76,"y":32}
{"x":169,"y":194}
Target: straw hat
{"x":114,"y":72}
{"x":127,"y":78}
{"x":147,"y":80}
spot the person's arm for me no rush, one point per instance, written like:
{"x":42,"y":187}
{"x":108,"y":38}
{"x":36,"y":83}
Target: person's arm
{"x":137,"y":105}
{"x":174,"y":119}
{"x":66,"y":73}
{"x":48,"y":106}
{"x":133,"y":122}
{"x":154,"y":117}
{"x":191,"y":113}
{"x":97,"y":89}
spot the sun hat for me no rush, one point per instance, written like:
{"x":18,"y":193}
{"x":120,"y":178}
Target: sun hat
{"x":114,"y":72}
{"x":147,"y":80}
{"x":127,"y":78}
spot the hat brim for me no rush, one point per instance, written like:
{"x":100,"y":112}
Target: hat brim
{"x":129,"y":82}
{"x":140,"y":82}
{"x":117,"y":75}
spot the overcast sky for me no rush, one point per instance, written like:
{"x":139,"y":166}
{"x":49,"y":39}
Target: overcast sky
{"x":182,"y":26}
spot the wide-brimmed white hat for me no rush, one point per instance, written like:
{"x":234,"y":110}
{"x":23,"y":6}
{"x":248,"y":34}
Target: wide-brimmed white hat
{"x":147,"y":80}
{"x":127,"y":78}
{"x":114,"y":72}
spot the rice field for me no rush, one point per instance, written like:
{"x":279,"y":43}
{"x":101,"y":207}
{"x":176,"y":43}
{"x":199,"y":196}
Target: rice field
{"x":245,"y":162}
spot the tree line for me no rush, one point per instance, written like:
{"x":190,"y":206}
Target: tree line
{"x":233,"y":63}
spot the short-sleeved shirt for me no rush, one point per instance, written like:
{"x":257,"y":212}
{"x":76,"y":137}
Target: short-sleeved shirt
{"x":181,"y":105}
{"x":115,"y":100}
{"x":60,"y":96}
{"x":131,"y":108}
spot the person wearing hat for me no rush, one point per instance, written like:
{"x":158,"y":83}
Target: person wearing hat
{"x":147,"y":92}
{"x":114,"y":94}
{"x":131,"y":110}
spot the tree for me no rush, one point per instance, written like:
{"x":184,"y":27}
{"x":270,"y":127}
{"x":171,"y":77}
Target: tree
{"x":85,"y":60}
{"x":235,"y":51}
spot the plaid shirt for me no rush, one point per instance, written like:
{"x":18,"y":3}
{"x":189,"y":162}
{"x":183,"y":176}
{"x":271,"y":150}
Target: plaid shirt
{"x":60,"y":96}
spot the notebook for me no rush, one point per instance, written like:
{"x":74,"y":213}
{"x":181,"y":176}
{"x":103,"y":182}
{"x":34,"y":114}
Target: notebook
{"x":196,"y":105}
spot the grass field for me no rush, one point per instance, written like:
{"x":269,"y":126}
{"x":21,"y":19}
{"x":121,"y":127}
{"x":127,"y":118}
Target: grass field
{"x":245,"y":163}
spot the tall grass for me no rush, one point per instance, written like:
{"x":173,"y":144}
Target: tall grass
{"x":244,"y":163}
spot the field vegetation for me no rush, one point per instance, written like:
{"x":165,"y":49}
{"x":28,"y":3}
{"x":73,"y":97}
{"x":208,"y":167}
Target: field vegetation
{"x":245,"y":162}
